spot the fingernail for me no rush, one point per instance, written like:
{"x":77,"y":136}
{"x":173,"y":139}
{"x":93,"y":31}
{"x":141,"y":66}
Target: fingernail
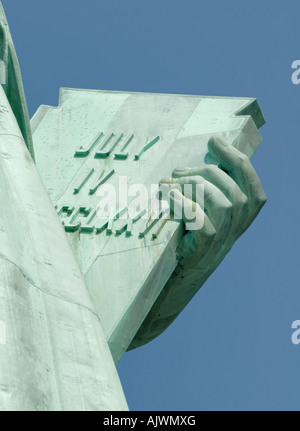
{"x":224,"y":142}
{"x":181,"y":171}
{"x":211,"y":140}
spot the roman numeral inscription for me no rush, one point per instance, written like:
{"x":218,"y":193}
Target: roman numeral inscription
{"x":85,"y":220}
{"x":127,"y":225}
{"x":104,"y":177}
{"x":75,"y":221}
{"x":84,"y":179}
{"x":97,"y":171}
{"x":99,"y":181}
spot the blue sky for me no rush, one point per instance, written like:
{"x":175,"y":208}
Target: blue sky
{"x":231,"y":348}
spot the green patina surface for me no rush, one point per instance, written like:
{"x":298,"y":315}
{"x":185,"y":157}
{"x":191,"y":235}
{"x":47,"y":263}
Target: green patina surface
{"x":90,"y":140}
{"x":55,"y":355}
{"x":79,"y":290}
{"x":14,"y":86}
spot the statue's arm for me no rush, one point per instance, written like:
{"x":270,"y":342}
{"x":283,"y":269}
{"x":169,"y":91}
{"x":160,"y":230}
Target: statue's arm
{"x":55,"y":355}
{"x":233,"y":197}
{"x":13,"y":85}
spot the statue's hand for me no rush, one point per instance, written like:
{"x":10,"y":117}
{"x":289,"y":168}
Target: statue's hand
{"x":233,"y":196}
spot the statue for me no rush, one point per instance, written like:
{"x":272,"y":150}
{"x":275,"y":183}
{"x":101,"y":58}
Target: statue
{"x":79,"y":288}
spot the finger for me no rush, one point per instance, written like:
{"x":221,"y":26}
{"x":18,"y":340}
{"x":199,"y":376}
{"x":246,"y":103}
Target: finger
{"x":186,"y":209}
{"x":240,"y":169}
{"x":193,"y":188}
{"x":197,"y":243}
{"x":216,"y":205}
{"x":200,"y":250}
{"x":218,"y":178}
{"x":202,"y":244}
{"x":196,"y":246}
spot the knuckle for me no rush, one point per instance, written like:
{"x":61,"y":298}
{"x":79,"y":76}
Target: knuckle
{"x":210,"y":233}
{"x":193,"y":181}
{"x":226,"y":207}
{"x":243,"y":160}
{"x":208,"y":170}
{"x":241,"y":202}
{"x":196,"y":179}
{"x":261,"y":199}
{"x":185,"y":180}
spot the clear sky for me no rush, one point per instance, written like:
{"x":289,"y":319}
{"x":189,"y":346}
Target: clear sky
{"x":231,"y":348}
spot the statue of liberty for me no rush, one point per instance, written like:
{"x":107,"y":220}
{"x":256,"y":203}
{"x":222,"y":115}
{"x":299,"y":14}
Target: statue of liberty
{"x":78,"y":291}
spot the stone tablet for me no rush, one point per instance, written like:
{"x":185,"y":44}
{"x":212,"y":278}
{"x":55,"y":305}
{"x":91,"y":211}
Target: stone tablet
{"x":101,"y":156}
{"x":98,"y":138}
